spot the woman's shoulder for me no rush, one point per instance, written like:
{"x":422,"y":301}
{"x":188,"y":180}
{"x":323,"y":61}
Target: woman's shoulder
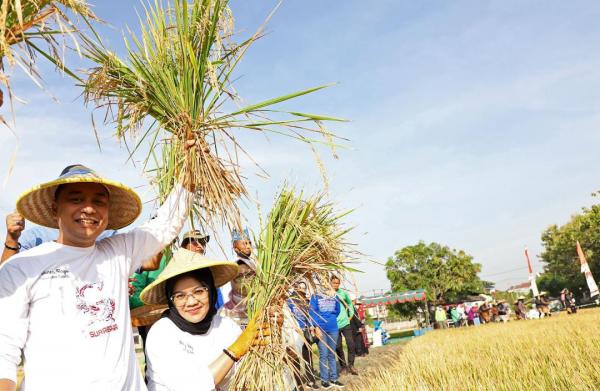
{"x":224,"y":323}
{"x":162,"y":326}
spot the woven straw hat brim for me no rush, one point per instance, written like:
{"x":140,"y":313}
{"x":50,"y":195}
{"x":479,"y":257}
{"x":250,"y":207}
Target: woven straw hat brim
{"x":186,"y":261}
{"x":35,"y":204}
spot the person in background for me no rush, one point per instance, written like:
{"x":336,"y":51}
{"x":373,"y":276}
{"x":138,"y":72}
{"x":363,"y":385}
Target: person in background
{"x":345,"y":329}
{"x":358,"y":329}
{"x":473,"y":315}
{"x":572,"y":305}
{"x":324,"y":310}
{"x":196,"y":241}
{"x":138,"y":281}
{"x":455,"y":316}
{"x":362,"y":315}
{"x":299,"y":306}
{"x":503,"y":311}
{"x":440,"y":317}
{"x":235,"y":307}
{"x":563,"y":298}
{"x":475,"y":310}
{"x":494,"y":311}
{"x":242,"y":247}
{"x":462,"y":316}
{"x":543,"y":304}
{"x":520,"y":309}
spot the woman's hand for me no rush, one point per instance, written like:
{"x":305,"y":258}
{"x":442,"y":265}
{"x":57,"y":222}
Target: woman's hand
{"x":255,"y":334}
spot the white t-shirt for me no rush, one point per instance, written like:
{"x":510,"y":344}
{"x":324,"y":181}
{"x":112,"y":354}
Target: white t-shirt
{"x":178,"y":361}
{"x":67,"y":307}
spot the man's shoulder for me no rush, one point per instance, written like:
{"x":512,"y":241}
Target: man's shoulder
{"x":343,"y":294}
{"x":26,"y":266}
{"x":38,"y":252}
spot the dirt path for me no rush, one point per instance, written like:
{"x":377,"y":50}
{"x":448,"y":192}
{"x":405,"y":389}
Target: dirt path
{"x":369,"y":364}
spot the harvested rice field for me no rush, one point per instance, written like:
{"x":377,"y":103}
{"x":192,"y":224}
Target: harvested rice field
{"x":557,"y":353}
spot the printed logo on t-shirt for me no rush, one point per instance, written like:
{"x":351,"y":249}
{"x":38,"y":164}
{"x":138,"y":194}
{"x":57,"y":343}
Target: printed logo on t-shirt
{"x":186,"y":347}
{"x":57,"y":272}
{"x":326,"y":304}
{"x":97,"y":309}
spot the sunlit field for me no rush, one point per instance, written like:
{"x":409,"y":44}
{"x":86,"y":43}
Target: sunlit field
{"x":558,"y":353}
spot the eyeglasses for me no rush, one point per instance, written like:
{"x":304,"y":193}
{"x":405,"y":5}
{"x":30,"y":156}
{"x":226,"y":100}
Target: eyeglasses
{"x":180,"y":298}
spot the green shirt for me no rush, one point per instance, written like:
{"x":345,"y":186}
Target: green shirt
{"x":142,"y":280}
{"x":440,"y":315}
{"x":346,"y":309}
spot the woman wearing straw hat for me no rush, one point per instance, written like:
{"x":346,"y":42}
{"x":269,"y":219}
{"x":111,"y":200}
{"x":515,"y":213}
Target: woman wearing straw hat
{"x":64,"y":304}
{"x":192,"y":346}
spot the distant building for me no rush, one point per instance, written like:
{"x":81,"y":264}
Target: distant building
{"x":380,"y":311}
{"x":522,"y":288}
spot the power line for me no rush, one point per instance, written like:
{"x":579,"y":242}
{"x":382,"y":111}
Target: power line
{"x":505,"y":272}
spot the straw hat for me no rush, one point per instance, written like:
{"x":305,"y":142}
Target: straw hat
{"x":36,"y":203}
{"x":186,"y":261}
{"x":195,"y":235}
{"x":520,"y":298}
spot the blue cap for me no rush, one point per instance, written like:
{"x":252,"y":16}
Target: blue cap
{"x":236,"y":235}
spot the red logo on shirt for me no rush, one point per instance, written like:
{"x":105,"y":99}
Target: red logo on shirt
{"x":97,"y":309}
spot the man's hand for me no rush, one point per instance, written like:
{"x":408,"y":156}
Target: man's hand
{"x":15,"y":224}
{"x":152,"y":263}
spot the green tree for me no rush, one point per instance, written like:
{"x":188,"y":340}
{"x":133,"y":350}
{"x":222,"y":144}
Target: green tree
{"x":446,"y":274}
{"x":562,"y":268}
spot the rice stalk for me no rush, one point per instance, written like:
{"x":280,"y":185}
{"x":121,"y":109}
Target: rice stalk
{"x":38,"y":27}
{"x":303,"y":240}
{"x":174,"y":85}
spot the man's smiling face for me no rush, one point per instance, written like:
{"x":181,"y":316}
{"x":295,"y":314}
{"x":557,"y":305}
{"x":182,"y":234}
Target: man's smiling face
{"x":81,"y":210}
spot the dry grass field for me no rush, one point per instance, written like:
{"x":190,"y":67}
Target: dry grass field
{"x":558,"y":353}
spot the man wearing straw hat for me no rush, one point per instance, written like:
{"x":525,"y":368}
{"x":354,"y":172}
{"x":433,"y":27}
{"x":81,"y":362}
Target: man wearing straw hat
{"x":65,"y":303}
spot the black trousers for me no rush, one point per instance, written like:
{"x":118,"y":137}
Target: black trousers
{"x":359,"y":343}
{"x":349,"y":337}
{"x":309,"y":376}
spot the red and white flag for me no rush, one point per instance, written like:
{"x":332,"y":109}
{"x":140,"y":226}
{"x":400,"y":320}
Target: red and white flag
{"x":534,"y":287}
{"x":585,"y":269}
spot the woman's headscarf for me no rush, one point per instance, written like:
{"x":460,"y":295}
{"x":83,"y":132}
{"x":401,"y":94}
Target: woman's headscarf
{"x":205,"y":277}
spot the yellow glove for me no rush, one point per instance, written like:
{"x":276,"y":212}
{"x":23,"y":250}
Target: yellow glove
{"x":255,"y":334}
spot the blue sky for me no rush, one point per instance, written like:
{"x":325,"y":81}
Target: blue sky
{"x":473,"y":124}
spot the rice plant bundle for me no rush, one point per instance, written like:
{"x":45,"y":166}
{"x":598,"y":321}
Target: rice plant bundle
{"x":303,"y":240}
{"x":175,"y":85}
{"x":25,"y":22}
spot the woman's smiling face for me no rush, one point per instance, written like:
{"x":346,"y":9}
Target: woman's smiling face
{"x":191,"y":299}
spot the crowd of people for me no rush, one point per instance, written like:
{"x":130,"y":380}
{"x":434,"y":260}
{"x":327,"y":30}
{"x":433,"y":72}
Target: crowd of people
{"x":67,"y":288}
{"x":474,"y":314}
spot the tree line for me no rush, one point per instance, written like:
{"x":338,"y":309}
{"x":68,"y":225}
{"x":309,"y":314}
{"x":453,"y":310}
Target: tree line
{"x":448,"y":274}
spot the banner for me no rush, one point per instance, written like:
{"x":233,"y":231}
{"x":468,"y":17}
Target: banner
{"x":534,"y":287}
{"x":585,"y":269}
